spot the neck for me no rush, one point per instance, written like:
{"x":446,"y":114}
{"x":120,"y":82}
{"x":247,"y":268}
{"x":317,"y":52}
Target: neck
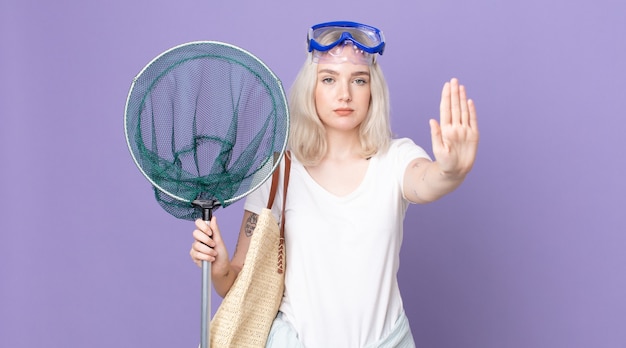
{"x":342,"y":146}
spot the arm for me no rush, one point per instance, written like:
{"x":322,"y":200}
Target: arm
{"x":455,"y":143}
{"x":209,"y":246}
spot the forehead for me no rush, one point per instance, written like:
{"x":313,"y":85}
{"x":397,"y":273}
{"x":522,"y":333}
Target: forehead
{"x":343,"y":68}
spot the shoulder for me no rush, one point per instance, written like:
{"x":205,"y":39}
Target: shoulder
{"x":404,"y":148}
{"x":399,"y":155}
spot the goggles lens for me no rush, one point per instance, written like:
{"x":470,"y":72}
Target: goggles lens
{"x":341,"y":53}
{"x":325,"y":36}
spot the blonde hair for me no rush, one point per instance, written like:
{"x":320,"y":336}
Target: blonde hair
{"x":307,"y":139}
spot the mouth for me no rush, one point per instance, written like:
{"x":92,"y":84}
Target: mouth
{"x":343,"y":111}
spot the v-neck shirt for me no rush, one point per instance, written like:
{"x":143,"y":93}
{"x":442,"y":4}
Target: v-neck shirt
{"x":343,"y":252}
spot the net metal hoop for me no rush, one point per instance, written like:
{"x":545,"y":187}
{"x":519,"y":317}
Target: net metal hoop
{"x":133,"y":91}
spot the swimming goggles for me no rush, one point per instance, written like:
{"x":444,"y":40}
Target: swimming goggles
{"x":375,"y":40}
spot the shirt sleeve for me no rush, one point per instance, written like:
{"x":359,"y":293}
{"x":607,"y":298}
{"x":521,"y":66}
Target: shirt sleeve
{"x":257,"y":199}
{"x":404,"y":151}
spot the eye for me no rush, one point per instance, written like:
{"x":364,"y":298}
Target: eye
{"x":328,"y":80}
{"x":360,"y":81}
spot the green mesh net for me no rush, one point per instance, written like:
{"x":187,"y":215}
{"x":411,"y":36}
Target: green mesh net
{"x":205,"y":121}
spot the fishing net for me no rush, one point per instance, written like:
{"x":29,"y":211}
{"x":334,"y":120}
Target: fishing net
{"x":204,"y":122}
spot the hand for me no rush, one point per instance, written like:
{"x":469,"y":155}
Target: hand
{"x":455,"y":138}
{"x":209,"y":246}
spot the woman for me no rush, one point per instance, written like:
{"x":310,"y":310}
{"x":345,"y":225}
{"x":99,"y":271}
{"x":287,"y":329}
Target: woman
{"x":349,"y":189}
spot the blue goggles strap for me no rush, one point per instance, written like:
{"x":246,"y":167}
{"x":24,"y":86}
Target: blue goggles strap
{"x":374,"y":33}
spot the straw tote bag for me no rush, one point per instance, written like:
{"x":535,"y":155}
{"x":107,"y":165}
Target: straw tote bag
{"x":245,"y":315}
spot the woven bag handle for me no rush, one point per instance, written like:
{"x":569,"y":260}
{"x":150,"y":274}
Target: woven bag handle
{"x":285,"y":187}
{"x":274,"y":188}
{"x":270,"y":202}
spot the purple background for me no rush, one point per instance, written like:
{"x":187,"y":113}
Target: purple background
{"x":529,"y":252}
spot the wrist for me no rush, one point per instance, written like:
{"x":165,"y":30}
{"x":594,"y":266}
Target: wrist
{"x":450,"y":175}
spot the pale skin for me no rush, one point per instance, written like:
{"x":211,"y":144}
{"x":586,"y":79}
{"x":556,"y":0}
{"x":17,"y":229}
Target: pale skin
{"x":342,"y":96}
{"x":455,"y":143}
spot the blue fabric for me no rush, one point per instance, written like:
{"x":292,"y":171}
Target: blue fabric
{"x":283,"y":335}
{"x":399,"y":337}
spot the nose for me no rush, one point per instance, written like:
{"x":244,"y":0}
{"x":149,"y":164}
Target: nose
{"x":345,"y":94}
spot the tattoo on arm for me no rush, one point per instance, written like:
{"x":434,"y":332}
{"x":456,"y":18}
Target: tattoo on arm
{"x":251,"y":224}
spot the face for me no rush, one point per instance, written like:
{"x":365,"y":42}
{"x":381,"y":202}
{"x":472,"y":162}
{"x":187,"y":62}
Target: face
{"x":342,"y":93}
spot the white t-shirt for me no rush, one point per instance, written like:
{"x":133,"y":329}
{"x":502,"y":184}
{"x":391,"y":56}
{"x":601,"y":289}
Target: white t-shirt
{"x":342,"y":253}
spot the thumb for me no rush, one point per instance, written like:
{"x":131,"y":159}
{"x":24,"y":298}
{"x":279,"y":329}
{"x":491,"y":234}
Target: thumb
{"x":435,"y":135}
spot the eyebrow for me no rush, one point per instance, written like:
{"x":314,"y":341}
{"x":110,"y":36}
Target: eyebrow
{"x":333,"y":72}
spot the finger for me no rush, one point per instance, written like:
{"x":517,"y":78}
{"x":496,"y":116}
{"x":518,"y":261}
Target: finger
{"x":200,"y":252}
{"x":473,"y":120}
{"x":192,"y":253}
{"x":202,"y":225}
{"x":202,"y":249}
{"x":455,"y":102}
{"x":207,"y":227}
{"x":203,"y":238}
{"x":464,"y":107}
{"x":444,"y":108}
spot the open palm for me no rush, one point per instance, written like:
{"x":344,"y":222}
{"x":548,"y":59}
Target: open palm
{"x":455,"y":137}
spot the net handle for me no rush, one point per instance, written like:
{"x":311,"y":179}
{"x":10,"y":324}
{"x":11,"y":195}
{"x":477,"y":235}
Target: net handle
{"x":206,"y":304}
{"x":207,"y":207}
